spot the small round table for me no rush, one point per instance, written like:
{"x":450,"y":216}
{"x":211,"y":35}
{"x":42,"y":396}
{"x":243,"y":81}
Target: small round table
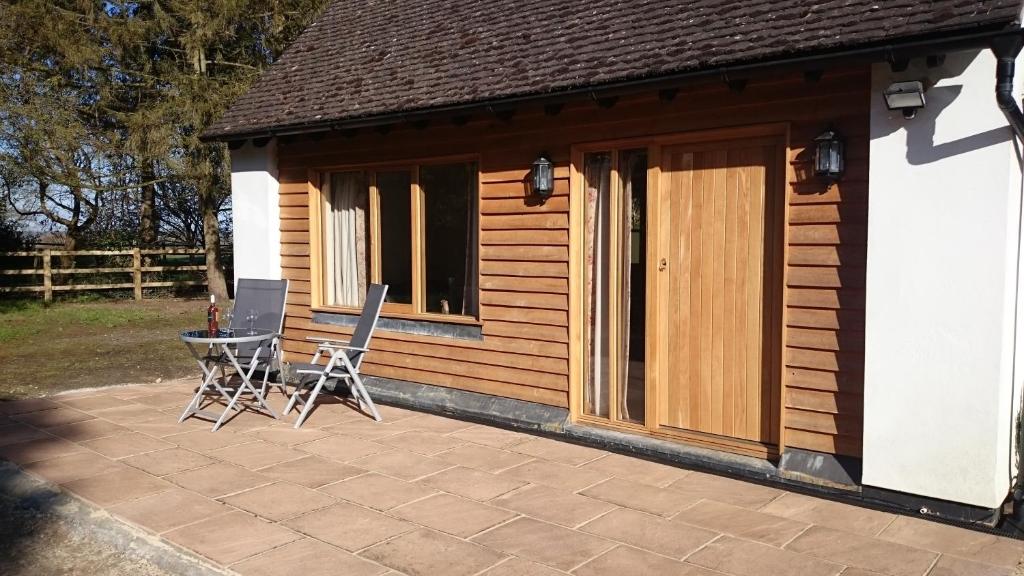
{"x":218,"y":354}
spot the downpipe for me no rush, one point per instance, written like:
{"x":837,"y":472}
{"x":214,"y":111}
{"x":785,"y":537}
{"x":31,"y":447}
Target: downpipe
{"x":1006,"y":49}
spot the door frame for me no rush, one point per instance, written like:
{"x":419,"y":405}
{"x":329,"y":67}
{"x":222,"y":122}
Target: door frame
{"x":654,"y":348}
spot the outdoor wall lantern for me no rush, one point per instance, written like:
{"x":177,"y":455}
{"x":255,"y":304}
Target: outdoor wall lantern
{"x":828,"y":155}
{"x":907,"y":97}
{"x":542,"y":176}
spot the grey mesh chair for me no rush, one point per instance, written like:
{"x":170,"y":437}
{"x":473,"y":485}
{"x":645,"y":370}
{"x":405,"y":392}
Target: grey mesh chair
{"x":265,"y":300}
{"x":343,"y":360}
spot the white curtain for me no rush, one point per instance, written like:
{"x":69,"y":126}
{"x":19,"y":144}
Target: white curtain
{"x":597,"y":174}
{"x":630,"y":161}
{"x":345,"y":246}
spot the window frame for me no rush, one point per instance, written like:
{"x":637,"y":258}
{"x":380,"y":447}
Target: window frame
{"x":417,"y":309}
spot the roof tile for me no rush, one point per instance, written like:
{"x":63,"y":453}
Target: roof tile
{"x":363,"y":58}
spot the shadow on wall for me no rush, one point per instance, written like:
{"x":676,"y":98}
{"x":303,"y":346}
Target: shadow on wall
{"x":921,"y":146}
{"x":921,"y":130}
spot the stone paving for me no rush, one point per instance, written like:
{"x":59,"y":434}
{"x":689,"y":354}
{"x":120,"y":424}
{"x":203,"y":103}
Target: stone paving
{"x":423,"y":495}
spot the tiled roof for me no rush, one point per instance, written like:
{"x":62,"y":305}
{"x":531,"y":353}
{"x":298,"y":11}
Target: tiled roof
{"x":372,"y":57}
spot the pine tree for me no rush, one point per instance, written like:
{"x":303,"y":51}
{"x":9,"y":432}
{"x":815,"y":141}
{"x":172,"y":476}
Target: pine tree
{"x":204,"y":55}
{"x":103,"y":104}
{"x":60,"y":151}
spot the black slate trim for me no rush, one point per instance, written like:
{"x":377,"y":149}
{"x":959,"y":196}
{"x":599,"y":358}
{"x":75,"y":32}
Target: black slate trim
{"x":421,"y":327}
{"x":840,"y":471}
{"x":506,"y":412}
{"x":935,"y":509}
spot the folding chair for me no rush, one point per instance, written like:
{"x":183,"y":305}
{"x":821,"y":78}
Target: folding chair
{"x":343,"y":360}
{"x":266,"y":299}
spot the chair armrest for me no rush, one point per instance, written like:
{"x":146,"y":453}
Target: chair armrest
{"x":329,"y":344}
{"x":330,"y":341}
{"x":333,"y":346}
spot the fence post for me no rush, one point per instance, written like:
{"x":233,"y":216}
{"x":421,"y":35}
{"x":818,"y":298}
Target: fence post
{"x":47,"y":277}
{"x":137,"y":265}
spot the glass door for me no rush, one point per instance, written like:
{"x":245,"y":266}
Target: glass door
{"x":615,"y":284}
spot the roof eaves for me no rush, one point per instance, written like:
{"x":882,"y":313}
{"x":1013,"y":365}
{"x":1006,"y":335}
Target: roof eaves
{"x":978,"y":36}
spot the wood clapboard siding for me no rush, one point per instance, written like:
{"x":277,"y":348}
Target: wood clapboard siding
{"x":524,"y":252}
{"x":824,"y":316}
{"x":524,"y":246}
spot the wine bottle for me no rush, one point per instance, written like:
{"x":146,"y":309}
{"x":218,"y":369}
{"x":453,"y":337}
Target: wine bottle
{"x":212,"y":316}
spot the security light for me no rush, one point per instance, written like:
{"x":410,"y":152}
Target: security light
{"x":907,"y":97}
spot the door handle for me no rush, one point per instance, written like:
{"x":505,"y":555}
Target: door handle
{"x":662,"y":265}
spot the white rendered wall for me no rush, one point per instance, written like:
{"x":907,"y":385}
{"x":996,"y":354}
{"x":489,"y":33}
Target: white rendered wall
{"x":255,"y":212}
{"x":942,"y":274}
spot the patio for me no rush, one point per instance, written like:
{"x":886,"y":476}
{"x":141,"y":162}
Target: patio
{"x":424,"y":495}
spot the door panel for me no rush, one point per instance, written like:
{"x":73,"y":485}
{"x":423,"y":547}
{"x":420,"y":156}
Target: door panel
{"x":717,"y":203}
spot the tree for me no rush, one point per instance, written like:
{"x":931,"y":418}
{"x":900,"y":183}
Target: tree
{"x":59,"y":153}
{"x":12,"y":238}
{"x":104,"y":103}
{"x":218,"y":50}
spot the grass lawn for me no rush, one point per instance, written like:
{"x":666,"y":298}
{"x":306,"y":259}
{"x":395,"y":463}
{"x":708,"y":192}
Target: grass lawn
{"x":82,"y":344}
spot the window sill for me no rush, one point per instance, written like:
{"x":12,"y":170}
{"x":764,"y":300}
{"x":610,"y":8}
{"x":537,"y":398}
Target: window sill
{"x":440,"y":325}
{"x":425,"y":317}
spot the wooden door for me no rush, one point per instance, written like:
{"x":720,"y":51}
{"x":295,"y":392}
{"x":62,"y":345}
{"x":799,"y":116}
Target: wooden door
{"x":719,"y":207}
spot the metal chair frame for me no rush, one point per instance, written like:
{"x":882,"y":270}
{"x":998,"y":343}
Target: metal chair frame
{"x":343,"y":362}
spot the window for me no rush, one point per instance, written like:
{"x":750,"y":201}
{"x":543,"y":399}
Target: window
{"x":412,"y":228}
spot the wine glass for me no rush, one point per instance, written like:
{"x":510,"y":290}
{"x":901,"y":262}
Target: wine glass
{"x":251,"y":317}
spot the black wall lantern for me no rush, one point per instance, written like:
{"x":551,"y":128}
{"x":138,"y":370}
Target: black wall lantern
{"x":829,"y":150}
{"x":542,"y":177}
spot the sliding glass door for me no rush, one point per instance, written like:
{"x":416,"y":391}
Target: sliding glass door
{"x":615,"y":280}
{"x":681,"y":249}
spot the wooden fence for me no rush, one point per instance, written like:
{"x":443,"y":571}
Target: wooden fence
{"x":44,"y":269}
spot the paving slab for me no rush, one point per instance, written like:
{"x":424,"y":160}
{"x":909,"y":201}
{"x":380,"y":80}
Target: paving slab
{"x":544,"y":543}
{"x":279,"y":501}
{"x":308,"y":557}
{"x":452,"y":515}
{"x":742,"y":522}
{"x":554,"y":505}
{"x":470,"y":483}
{"x":231,"y":537}
{"x":377,"y":491}
{"x":675,"y":540}
{"x":349,"y":526}
{"x":642,"y":497}
{"x":428,"y":553}
{"x":746,"y":558}
{"x":625,"y":560}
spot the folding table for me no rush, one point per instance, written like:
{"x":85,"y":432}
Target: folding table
{"x":218,"y":353}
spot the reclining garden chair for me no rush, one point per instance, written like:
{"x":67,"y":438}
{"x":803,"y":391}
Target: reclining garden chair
{"x":342,"y":360}
{"x":266,"y":299}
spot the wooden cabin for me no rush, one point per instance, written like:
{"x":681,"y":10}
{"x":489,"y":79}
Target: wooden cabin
{"x":723,"y":259}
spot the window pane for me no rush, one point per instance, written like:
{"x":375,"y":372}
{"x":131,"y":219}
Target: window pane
{"x":597,"y":181}
{"x":450,"y":205}
{"x":346,"y":238}
{"x":396,"y":234}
